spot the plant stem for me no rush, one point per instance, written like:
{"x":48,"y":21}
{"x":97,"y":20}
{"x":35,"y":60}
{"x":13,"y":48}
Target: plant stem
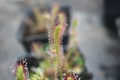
{"x":55,"y":67}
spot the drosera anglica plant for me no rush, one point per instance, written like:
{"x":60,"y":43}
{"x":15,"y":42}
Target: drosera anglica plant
{"x":55,"y":34}
{"x":38,"y":26}
{"x":60,"y":70}
{"x":56,"y":48}
{"x":20,"y":70}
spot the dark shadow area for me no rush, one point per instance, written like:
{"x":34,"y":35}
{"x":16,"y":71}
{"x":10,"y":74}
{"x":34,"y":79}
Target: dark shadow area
{"x":111,"y":12}
{"x":112,"y":71}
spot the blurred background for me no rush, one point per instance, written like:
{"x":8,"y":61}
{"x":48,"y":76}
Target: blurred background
{"x":98,"y":27}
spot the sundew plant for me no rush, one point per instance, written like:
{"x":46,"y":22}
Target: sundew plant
{"x":55,"y":50}
{"x":56,"y":32}
{"x":20,"y":70}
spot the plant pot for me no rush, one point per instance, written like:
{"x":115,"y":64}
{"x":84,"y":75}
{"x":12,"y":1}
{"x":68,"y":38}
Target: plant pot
{"x":26,"y":40}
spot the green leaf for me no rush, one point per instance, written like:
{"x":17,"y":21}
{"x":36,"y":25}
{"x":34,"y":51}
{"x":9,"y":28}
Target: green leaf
{"x":20,"y":73}
{"x":57,"y":39}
